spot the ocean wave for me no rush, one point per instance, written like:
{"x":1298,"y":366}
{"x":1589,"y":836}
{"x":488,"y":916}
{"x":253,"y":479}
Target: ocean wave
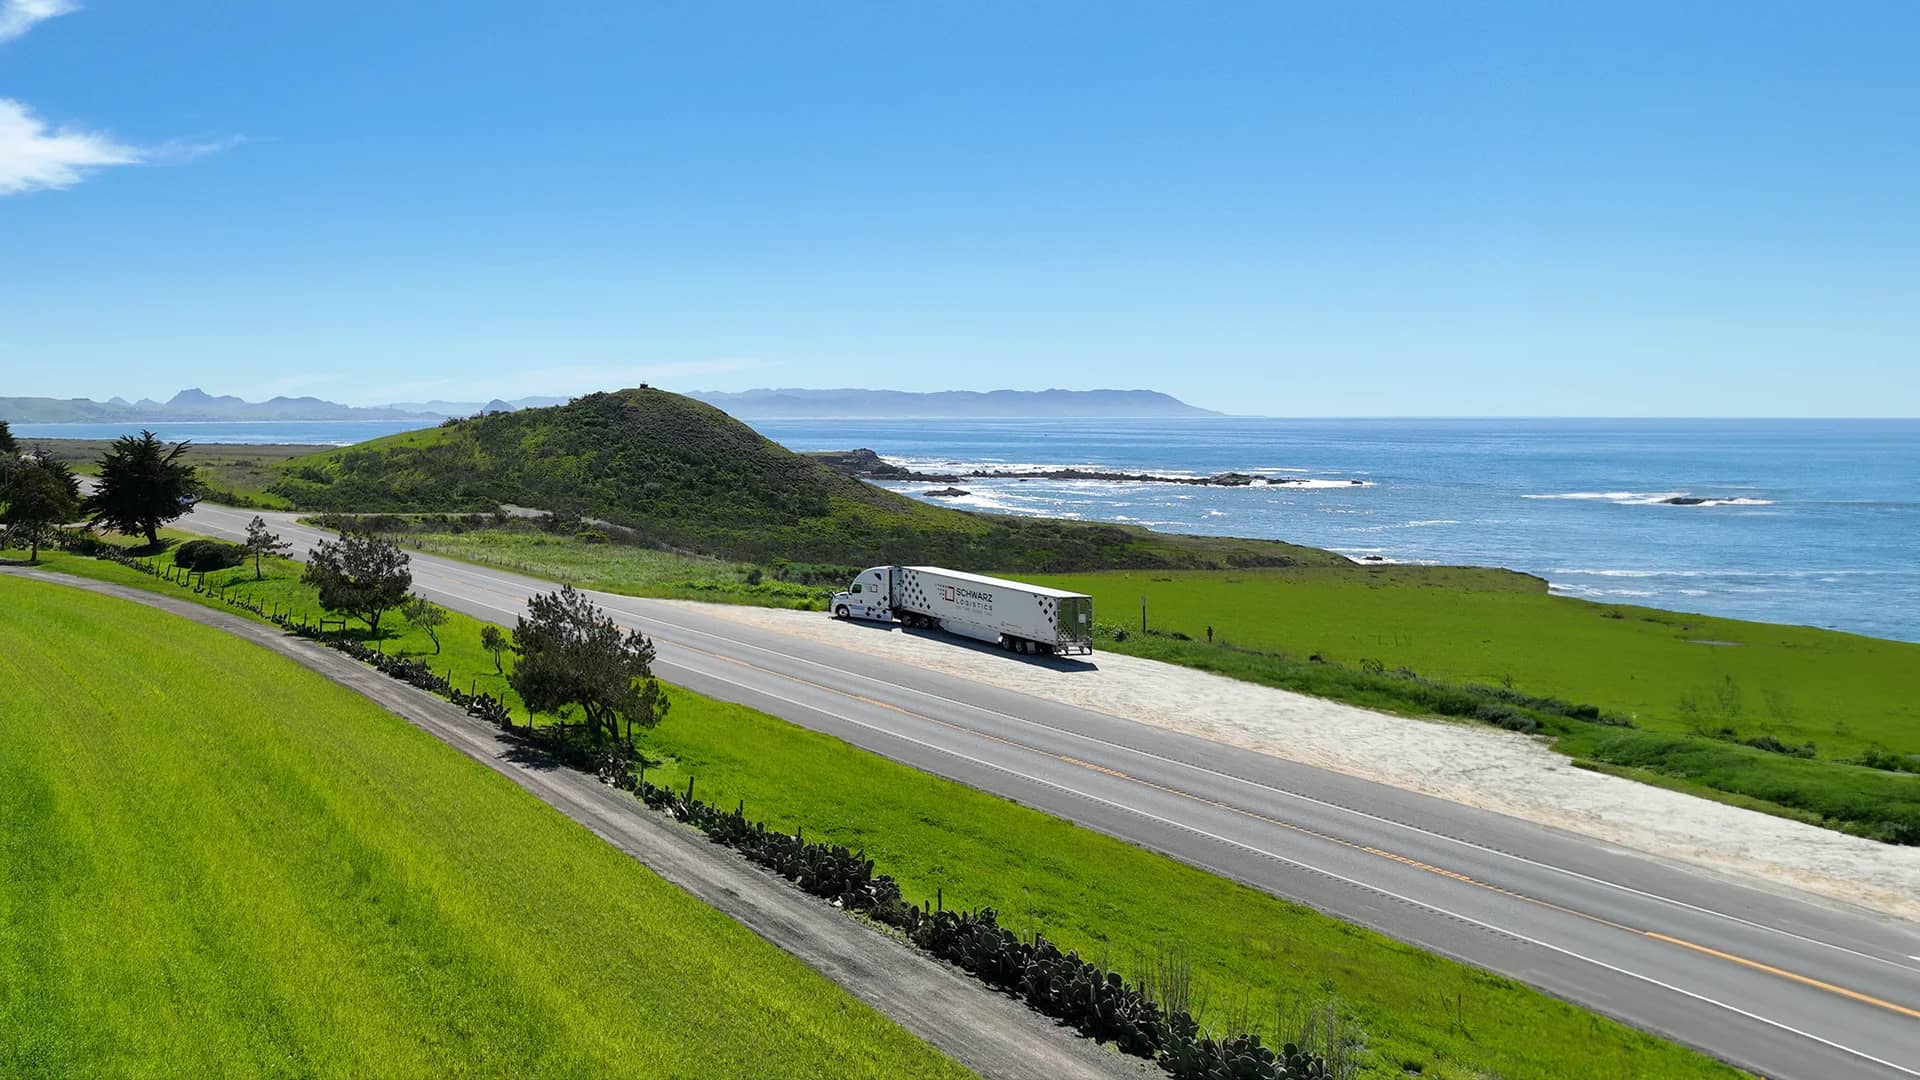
{"x":1626,"y":573}
{"x":1652,"y":498}
{"x":1590,"y":591}
{"x":1625,"y":497}
{"x":1436,"y":522}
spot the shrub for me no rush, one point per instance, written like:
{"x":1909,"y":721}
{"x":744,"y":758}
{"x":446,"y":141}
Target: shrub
{"x":1888,"y":761}
{"x":205,"y":555}
{"x":1506,"y":717}
{"x":1774,"y":746}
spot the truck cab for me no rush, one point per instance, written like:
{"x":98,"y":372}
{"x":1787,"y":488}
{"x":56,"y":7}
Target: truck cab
{"x":870,"y":596}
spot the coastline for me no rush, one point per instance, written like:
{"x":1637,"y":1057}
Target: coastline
{"x":1787,"y":529}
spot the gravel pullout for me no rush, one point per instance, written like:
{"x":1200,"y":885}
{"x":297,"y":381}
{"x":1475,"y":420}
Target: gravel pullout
{"x":990,"y":1033}
{"x":1517,"y":775}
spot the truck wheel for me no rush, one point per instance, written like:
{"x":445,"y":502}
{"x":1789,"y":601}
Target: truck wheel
{"x":840,"y":612}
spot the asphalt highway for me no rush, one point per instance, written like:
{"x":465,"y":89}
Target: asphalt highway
{"x":1774,"y":982}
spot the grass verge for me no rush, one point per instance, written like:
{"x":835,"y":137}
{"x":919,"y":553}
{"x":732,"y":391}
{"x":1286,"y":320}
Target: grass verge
{"x":1256,"y":961}
{"x":219,"y":863}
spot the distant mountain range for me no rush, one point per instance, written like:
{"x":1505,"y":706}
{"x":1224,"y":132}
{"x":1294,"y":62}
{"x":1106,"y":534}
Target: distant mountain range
{"x":791,"y":404}
{"x":468,"y":408}
{"x":198,"y":405}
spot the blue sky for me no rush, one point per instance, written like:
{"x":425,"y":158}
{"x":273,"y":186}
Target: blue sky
{"x":1349,"y":210}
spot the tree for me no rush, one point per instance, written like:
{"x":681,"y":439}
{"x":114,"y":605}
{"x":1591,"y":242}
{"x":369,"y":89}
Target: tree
{"x":262,"y":544}
{"x":40,"y":493}
{"x":495,"y":642}
{"x":428,"y":616}
{"x":570,"y":653}
{"x":361,"y":575}
{"x":143,"y":484}
{"x":9,"y":453}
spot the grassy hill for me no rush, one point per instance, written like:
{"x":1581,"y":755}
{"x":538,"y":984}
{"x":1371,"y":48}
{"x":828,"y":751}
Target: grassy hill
{"x":684,"y":475}
{"x":220,"y":864}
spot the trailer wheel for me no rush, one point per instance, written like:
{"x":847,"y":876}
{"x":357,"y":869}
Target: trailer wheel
{"x":840,"y":612}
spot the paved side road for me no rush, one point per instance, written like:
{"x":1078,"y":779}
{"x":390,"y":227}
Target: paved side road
{"x":992,"y":1034}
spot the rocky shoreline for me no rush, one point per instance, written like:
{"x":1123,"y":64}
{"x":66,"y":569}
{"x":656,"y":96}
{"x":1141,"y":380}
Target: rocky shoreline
{"x":865,"y":464}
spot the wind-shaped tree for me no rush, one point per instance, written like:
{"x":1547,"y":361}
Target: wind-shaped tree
{"x":360,"y":575}
{"x":262,"y":543}
{"x":143,"y":484}
{"x":571,"y":653}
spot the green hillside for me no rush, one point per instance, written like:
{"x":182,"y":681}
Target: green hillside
{"x":684,"y":475}
{"x":218,"y":863}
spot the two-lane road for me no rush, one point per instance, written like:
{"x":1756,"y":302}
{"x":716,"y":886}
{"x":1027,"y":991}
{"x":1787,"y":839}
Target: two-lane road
{"x":1784,"y":986}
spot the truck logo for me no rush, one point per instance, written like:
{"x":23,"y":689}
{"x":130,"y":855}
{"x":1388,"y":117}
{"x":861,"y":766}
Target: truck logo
{"x":946,"y":593}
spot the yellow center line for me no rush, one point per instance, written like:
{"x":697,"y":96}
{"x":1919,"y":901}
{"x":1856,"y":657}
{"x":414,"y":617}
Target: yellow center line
{"x":1784,"y":974}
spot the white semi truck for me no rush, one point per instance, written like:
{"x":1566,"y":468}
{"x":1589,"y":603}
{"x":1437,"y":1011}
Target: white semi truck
{"x":1023,"y":618}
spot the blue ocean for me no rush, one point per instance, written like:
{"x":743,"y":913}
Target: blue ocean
{"x":1799,"y":521}
{"x":1802,"y":521}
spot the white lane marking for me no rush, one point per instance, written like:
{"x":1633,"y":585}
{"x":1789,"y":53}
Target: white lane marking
{"x":1390,"y":894}
{"x":477,"y":575}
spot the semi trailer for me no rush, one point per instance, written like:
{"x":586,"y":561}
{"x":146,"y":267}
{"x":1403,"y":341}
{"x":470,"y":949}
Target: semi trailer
{"x":1011,"y":614}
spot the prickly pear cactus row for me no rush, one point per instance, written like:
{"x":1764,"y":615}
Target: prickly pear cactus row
{"x":1098,"y":1003}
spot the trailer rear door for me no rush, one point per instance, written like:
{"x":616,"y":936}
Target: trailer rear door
{"x":1076,"y":618}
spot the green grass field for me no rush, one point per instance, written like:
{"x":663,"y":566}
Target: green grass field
{"x":1699,"y":691}
{"x":607,"y":567}
{"x":218,"y":863}
{"x":1253,"y":955}
{"x":1664,"y":670}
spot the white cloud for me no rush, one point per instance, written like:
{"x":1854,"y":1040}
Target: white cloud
{"x":34,"y":156}
{"x":18,"y":16}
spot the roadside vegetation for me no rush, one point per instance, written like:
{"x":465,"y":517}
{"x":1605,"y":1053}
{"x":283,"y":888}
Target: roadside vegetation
{"x":1236,"y":956}
{"x":226,"y":865}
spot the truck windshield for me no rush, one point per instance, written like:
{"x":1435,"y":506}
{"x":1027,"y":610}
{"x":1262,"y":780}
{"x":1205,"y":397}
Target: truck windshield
{"x":856,"y":586}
